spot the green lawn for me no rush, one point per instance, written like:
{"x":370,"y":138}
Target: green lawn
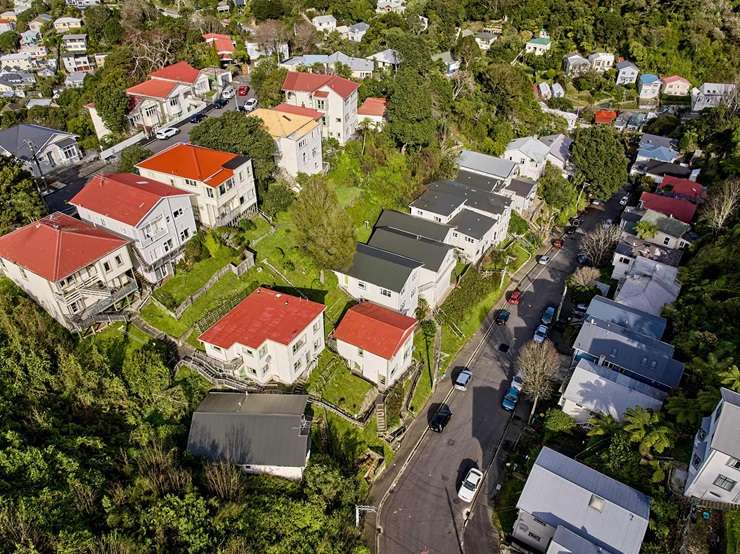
{"x":424,"y":352}
{"x":334,"y":382}
{"x":120,"y":340}
{"x":504,"y":511}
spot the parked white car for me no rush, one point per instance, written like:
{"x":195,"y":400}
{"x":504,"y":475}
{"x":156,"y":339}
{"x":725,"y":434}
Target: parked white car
{"x":470,"y":485}
{"x":250,"y":105}
{"x":166,"y":132}
{"x":228,"y":92}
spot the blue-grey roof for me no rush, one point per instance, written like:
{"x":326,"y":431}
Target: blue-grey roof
{"x":660,"y":153}
{"x":15,"y":139}
{"x":625,"y":64}
{"x":489,"y":203}
{"x":647,"y":359}
{"x":565,"y":541}
{"x":381,"y":268}
{"x":630,"y":318}
{"x":647,"y":78}
{"x":562,"y":491}
{"x":656,"y":140}
{"x":559,"y":145}
{"x":254,"y":429}
{"x":438,"y":202}
{"x":431,"y":254}
{"x":390,"y":219}
{"x":488,"y":165}
{"x":359,"y":27}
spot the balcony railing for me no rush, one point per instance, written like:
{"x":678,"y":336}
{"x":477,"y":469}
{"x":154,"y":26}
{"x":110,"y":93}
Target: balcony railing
{"x":114,"y":295}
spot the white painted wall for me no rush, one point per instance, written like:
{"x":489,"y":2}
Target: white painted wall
{"x":532,"y":531}
{"x":301,"y":154}
{"x":405,"y":302}
{"x":527,"y":166}
{"x":340,"y":115}
{"x":376,"y":369}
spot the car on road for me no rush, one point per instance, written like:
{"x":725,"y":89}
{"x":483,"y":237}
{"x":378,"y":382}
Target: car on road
{"x":543,"y":260}
{"x":518,"y":381}
{"x":249,"y":106}
{"x":197,"y":117}
{"x":440,"y":419}
{"x":164,"y":133}
{"x":228,"y":93}
{"x":548,"y":315}
{"x":558,"y":243}
{"x":515,"y":297}
{"x":502,"y":316}
{"x":623,"y":201}
{"x":463,"y":379}
{"x":219,"y":103}
{"x":510,"y":399}
{"x":540,"y":334}
{"x":243,"y":90}
{"x":582,"y":259}
{"x":470,"y":485}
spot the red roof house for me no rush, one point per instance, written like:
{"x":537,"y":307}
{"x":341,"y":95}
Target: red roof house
{"x":682,"y":188}
{"x":125,"y":197}
{"x":375,"y":329}
{"x":263,"y":315}
{"x":299,"y":110}
{"x":193,"y":162}
{"x":223,"y":44}
{"x":297,"y":81}
{"x":373,"y":107}
{"x":681,"y":209}
{"x":605,"y":117}
{"x":58,"y":246}
{"x":180,"y":72}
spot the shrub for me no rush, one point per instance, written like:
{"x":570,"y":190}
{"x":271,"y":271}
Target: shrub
{"x":247,"y":225}
{"x":517,"y":224}
{"x":194,"y":250}
{"x":166,"y":298}
{"x":278,"y":198}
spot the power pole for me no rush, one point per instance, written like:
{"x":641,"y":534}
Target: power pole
{"x":32,"y":148}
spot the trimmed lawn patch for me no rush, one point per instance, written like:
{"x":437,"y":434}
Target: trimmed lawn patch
{"x":424,"y":352}
{"x":184,"y":283}
{"x":334,"y":382}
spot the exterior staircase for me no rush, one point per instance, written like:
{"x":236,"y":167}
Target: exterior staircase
{"x":380,"y":414}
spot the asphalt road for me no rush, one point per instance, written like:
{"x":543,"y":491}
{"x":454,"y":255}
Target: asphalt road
{"x":422,"y":513}
{"x":75,"y":178}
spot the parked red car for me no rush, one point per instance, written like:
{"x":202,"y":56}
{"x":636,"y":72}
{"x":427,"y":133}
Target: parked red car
{"x":515,"y":297}
{"x":243,"y":90}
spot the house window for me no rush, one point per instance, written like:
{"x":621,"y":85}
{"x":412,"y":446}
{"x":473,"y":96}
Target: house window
{"x":297,"y":365}
{"x":666,"y":241}
{"x":209,"y":192}
{"x":177,"y":212}
{"x":222,"y":189}
{"x":184,"y":234}
{"x":321,"y":104}
{"x":248,"y":351}
{"x":454,"y":234}
{"x":106,"y":267}
{"x":150,"y":111}
{"x":174,"y":101}
{"x":437,"y":219}
{"x":385,"y":292}
{"x":360,"y":352}
{"x":168,"y":245}
{"x":623,"y":260}
{"x":69,"y":152}
{"x":263,"y":351}
{"x":74,"y":307}
{"x":316,"y":327}
{"x":733,"y":463}
{"x":724,"y":483}
{"x":191,"y":182}
{"x":696,"y":461}
{"x":119,"y":261}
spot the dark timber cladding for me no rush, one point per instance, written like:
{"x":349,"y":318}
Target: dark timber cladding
{"x":381,"y":268}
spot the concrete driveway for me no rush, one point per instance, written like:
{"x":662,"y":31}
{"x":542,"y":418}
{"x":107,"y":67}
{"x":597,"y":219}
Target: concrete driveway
{"x":420,"y":511}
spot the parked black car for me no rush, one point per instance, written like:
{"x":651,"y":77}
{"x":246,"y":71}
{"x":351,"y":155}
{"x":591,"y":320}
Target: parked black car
{"x":197,"y":117}
{"x":502,"y":316}
{"x":440,"y":419}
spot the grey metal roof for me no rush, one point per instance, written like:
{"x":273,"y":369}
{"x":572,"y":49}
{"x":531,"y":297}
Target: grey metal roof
{"x":355,"y":64}
{"x":625,"y":64}
{"x":565,"y":541}
{"x":360,"y":26}
{"x":647,"y":292}
{"x":655,"y":167}
{"x":437,"y":202}
{"x":483,"y":163}
{"x":559,"y":145}
{"x":727,"y":428}
{"x":560,"y":491}
{"x":15,"y":139}
{"x":490,"y":203}
{"x":253,"y":429}
{"x":657,"y":141}
{"x":633,"y":246}
{"x":429,"y":253}
{"x":532,"y":147}
{"x":472,"y":223}
{"x":630,"y":318}
{"x":521,"y":186}
{"x":647,"y":358}
{"x":382,"y":268}
{"x":666,"y":224}
{"x":391,"y":219}
{"x":77,"y":36}
{"x":478,"y":181}
{"x":604,"y":390}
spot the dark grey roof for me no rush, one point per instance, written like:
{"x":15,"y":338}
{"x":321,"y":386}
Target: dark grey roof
{"x":236,"y":162}
{"x":521,"y":186}
{"x":472,"y":223}
{"x":655,"y":167}
{"x":438,"y":202}
{"x":565,"y":541}
{"x":382,"y":268}
{"x":648,"y":358}
{"x":15,"y":139}
{"x":559,"y":146}
{"x":633,"y":246}
{"x":254,"y":429}
{"x":429,"y":253}
{"x":390,"y":219}
{"x":491,"y":203}
{"x":478,"y":181}
{"x":666,"y":224}
{"x":562,"y":491}
{"x":624,"y":64}
{"x":728,"y":424}
{"x":630,"y":318}
{"x":657,"y":141}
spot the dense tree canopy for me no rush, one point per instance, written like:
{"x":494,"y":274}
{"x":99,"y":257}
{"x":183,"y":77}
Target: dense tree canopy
{"x":20,"y":202}
{"x":599,"y":160}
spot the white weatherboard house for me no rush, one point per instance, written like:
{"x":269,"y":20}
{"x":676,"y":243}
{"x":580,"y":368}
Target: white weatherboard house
{"x":40,"y":150}
{"x":563,"y":496}
{"x":298,"y":138}
{"x":601,"y":61}
{"x":627,"y":73}
{"x":261,"y":433}
{"x":156,"y":218}
{"x":538,"y":46}
{"x":268,"y":336}
{"x":575,"y":65}
{"x":72,"y":269}
{"x":333,"y":96}
{"x":360,"y":67}
{"x":376,"y":342}
{"x":222,"y":183}
{"x":714,"y":470}
{"x":529,"y":154}
{"x":598,"y":390}
{"x":324,"y":23}
{"x":384,"y":278}
{"x":710,"y":95}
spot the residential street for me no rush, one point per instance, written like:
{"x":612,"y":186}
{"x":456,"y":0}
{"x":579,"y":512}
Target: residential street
{"x":75,"y":177}
{"x":422,"y":513}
